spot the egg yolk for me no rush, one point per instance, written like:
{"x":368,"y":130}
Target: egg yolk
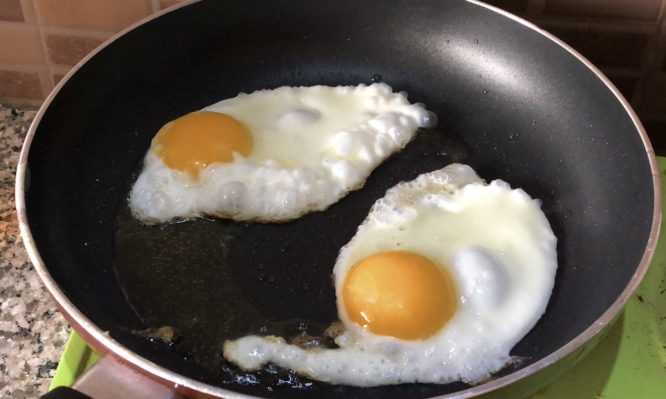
{"x":194,"y":141}
{"x":399,"y":293}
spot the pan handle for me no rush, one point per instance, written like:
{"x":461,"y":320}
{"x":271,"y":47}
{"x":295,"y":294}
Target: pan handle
{"x":110,"y":379}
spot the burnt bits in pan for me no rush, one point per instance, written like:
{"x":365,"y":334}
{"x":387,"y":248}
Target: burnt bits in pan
{"x":212,"y":279}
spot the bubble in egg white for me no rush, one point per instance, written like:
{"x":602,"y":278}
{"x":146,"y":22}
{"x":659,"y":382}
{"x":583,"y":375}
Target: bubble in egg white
{"x":299,"y":116}
{"x":345,"y":143}
{"x":482,"y":280}
{"x":496,"y":244}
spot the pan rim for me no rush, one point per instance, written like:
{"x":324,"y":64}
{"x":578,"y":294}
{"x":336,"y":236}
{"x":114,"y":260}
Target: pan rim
{"x":102,"y":341}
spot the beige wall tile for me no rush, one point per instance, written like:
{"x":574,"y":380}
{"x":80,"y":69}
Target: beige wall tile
{"x":20,"y":85}
{"x":10,"y":10}
{"x":68,"y":50}
{"x":92,"y":14}
{"x":20,"y":44}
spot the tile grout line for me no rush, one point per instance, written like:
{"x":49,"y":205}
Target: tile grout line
{"x":46,"y":81}
{"x":20,"y":26}
{"x":28,"y":14}
{"x":20,"y":67}
{"x":83,"y":33}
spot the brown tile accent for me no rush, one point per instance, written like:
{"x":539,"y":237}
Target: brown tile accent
{"x":68,"y":50}
{"x":654,"y":93}
{"x":57,"y":77}
{"x":514,"y":6}
{"x":620,"y":49}
{"x":10,"y":10}
{"x":625,"y":9}
{"x":20,"y":85}
{"x":19,"y":44}
{"x":92,"y":14}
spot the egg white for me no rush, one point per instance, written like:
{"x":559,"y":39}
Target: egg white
{"x":311,"y":146}
{"x":501,"y":252}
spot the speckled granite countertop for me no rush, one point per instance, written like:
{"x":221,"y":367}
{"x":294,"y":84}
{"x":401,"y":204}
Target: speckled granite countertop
{"x":32,"y":331}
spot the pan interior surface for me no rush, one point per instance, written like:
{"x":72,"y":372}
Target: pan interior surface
{"x":511,"y":103}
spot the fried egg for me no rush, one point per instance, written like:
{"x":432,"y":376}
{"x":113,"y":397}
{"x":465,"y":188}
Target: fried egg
{"x":272,"y":155}
{"x":444,"y":276}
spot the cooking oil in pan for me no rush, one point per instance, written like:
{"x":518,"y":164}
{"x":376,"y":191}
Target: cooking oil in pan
{"x":209,"y":279}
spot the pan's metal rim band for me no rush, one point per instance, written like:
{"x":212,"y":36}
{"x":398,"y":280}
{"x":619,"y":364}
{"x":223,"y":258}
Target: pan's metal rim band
{"x":82,"y":324}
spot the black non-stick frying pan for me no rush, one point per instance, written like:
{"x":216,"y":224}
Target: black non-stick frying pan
{"x":512,"y":101}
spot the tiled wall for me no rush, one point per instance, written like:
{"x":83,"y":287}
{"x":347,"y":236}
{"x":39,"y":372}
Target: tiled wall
{"x":41,"y":39}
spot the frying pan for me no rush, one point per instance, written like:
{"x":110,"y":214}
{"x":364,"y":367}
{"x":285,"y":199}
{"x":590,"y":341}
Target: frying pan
{"x":513,"y":102}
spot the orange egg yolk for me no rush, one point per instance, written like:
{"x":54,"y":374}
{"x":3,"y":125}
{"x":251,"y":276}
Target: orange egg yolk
{"x":194,"y":141}
{"x":400,"y":294}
